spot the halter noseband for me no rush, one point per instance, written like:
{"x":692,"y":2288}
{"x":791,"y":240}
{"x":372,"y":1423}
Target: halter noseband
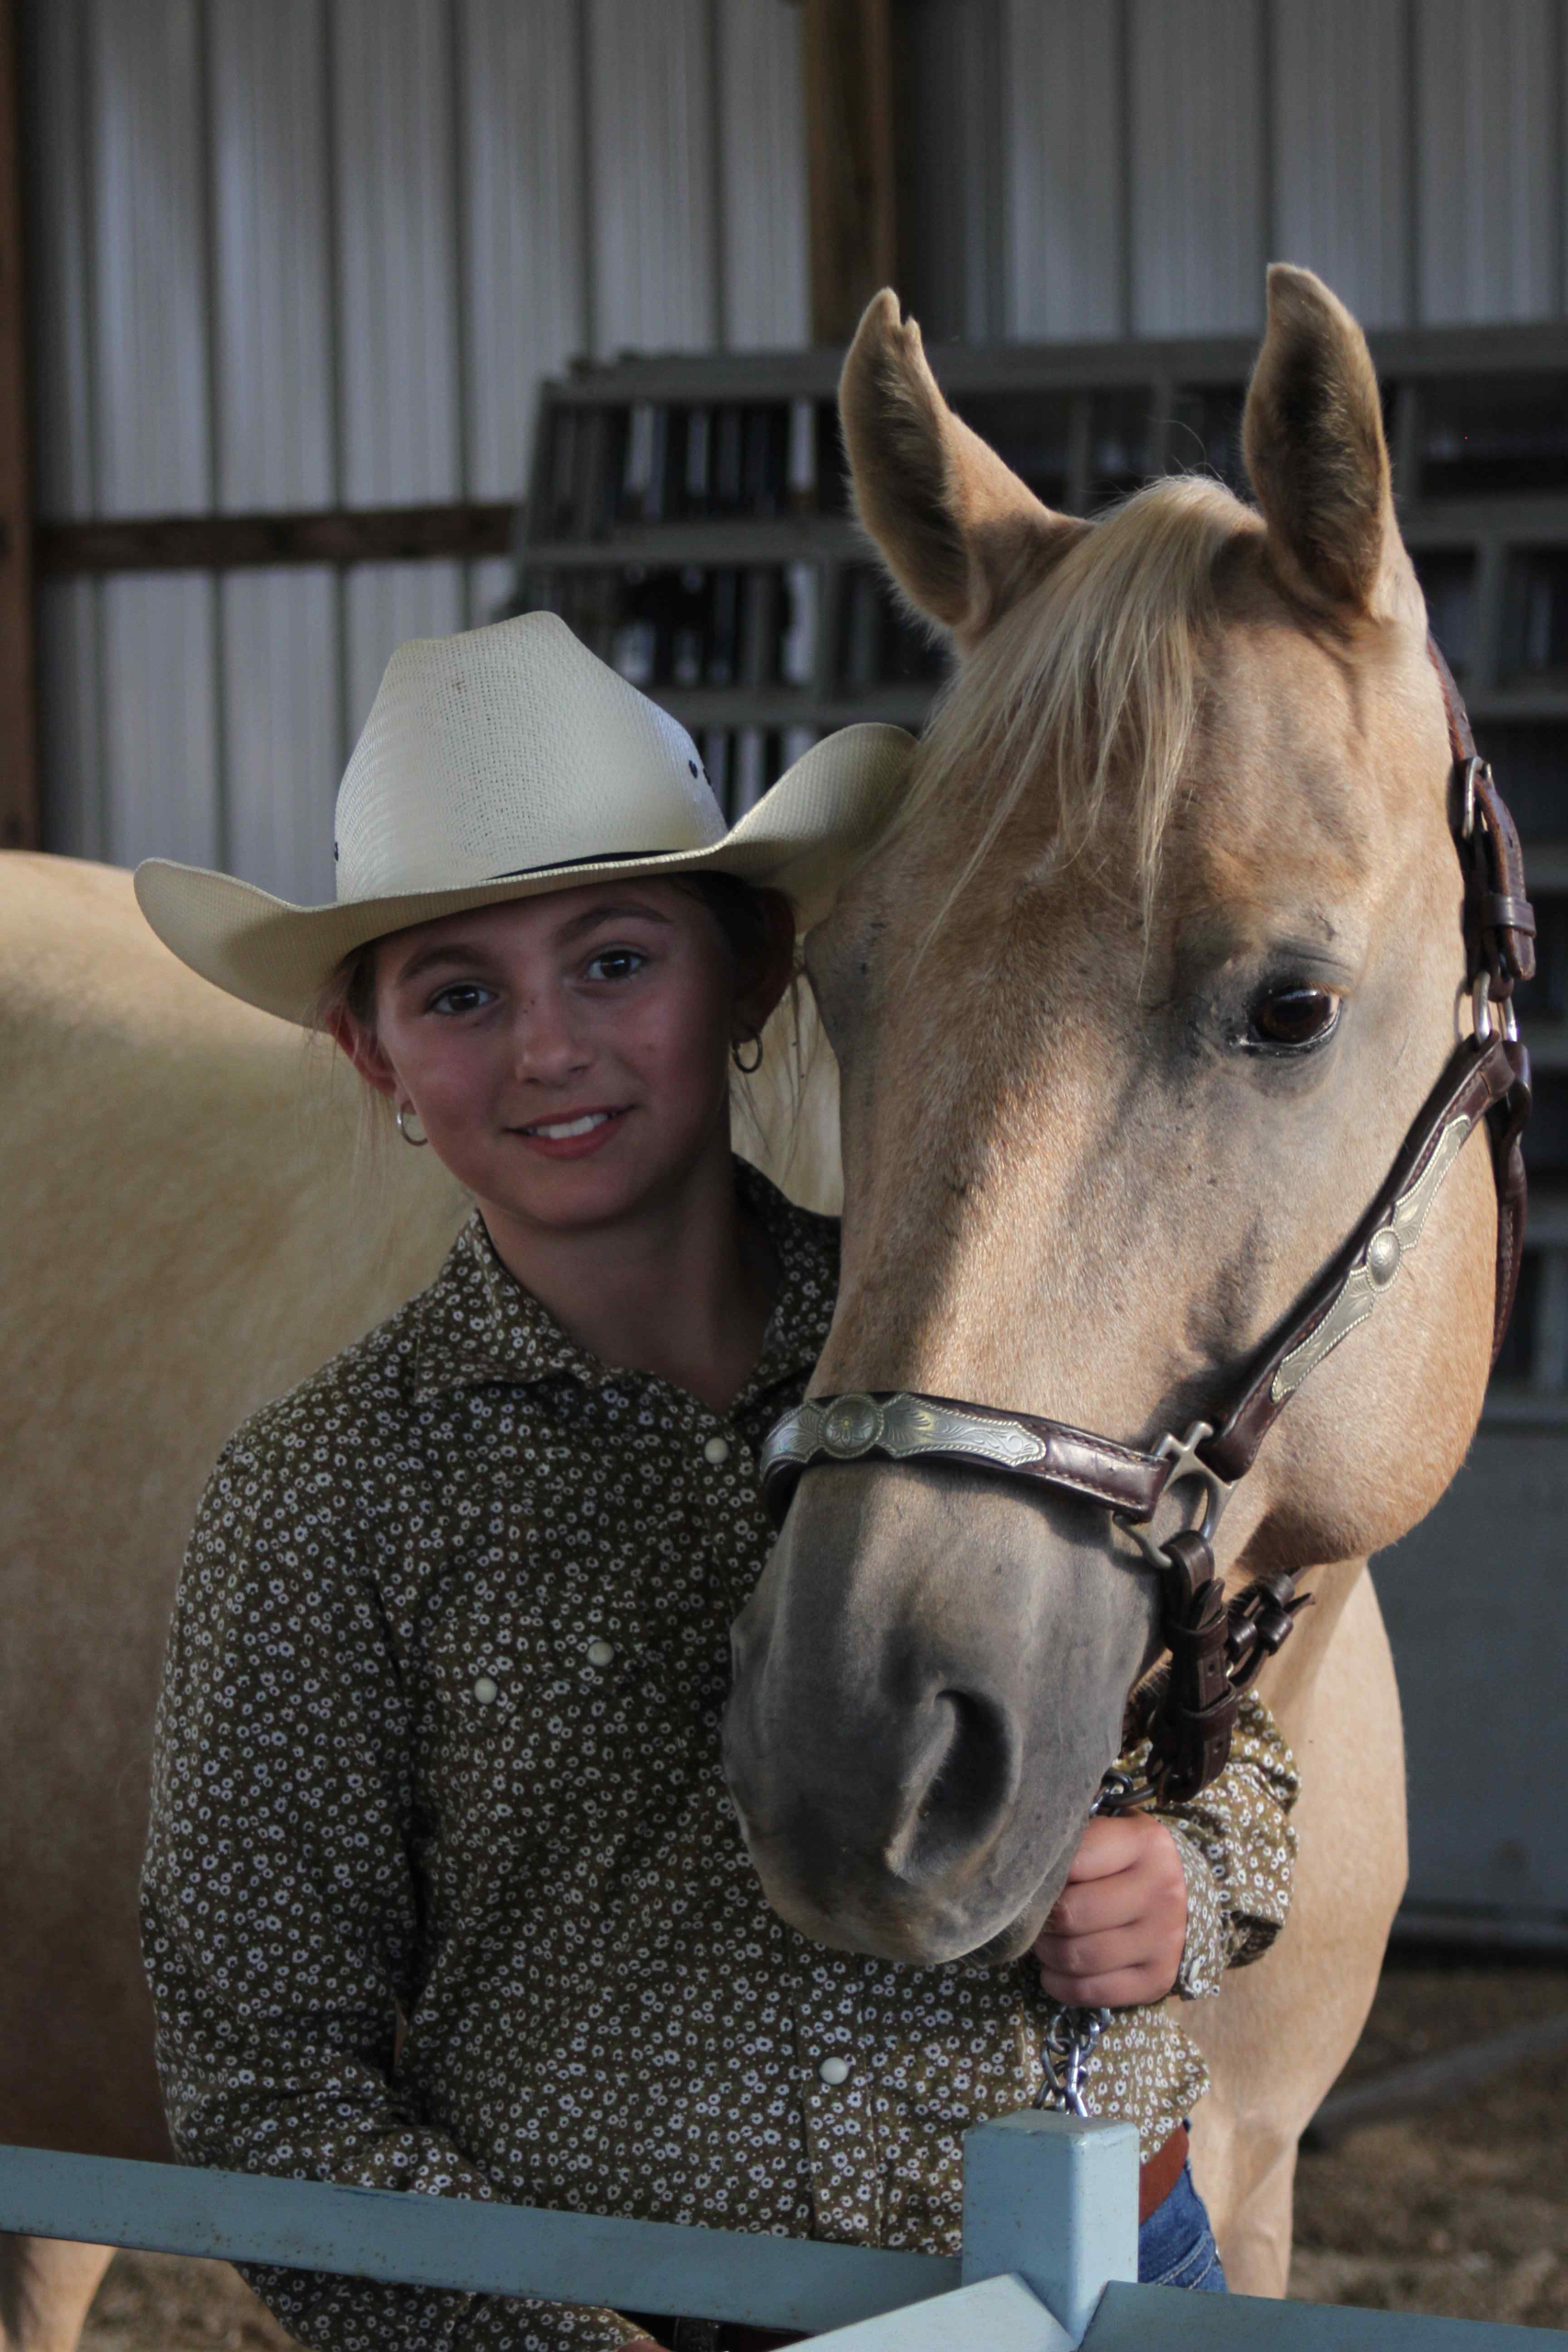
{"x":1216,"y":1648}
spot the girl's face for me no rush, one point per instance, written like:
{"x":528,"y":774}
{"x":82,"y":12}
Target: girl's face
{"x":567,"y":1055}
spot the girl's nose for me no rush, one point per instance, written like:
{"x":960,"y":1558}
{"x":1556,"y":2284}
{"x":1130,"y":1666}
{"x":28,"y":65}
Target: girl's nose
{"x":547,"y":1044}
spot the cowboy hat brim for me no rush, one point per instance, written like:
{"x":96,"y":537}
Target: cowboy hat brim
{"x":802,"y":838}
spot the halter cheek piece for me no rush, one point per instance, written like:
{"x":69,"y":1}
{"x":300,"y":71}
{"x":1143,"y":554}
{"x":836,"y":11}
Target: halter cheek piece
{"x":1189,"y":1711}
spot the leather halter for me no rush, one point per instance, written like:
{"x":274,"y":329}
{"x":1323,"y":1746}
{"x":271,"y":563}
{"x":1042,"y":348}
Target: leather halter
{"x":1189,"y":1711}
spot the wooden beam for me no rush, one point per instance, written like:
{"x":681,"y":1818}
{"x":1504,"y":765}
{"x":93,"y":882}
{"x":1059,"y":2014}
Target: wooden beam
{"x":19,"y":688}
{"x":246,"y":542}
{"x":847,"y":57}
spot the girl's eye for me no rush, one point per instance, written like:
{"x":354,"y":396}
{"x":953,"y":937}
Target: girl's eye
{"x":463,"y":996}
{"x":616,"y":964}
{"x":1290,"y":1018}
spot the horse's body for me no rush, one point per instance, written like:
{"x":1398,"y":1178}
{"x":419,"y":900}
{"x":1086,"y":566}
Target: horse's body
{"x":179,"y":1174}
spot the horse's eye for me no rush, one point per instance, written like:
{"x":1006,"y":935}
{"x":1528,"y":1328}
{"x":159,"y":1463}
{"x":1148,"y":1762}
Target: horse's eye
{"x":1292,"y":1017}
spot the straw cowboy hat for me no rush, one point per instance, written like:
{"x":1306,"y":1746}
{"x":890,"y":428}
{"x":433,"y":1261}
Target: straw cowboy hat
{"x":502,"y":762}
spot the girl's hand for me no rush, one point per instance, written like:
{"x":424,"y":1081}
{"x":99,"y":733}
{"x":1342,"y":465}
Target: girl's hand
{"x":1116,"y":1936}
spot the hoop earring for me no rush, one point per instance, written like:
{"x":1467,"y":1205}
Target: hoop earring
{"x":403,"y":1124}
{"x":753,"y":1037}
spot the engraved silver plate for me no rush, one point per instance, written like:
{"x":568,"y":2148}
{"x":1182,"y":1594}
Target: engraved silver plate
{"x":848,"y":1428}
{"x":1376,"y":1268}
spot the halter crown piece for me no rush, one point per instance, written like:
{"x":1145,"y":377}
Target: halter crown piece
{"x":1188,"y":1710}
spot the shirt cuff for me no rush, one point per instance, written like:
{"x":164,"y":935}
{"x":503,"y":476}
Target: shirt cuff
{"x":1207,"y":1946}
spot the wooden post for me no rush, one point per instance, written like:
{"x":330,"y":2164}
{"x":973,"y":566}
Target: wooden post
{"x":848,"y":81}
{"x":18,"y":718}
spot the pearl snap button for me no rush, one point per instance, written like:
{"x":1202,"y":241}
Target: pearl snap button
{"x":485,"y":1690}
{"x":717,"y":1449}
{"x":600,"y":1653}
{"x":834,"y":2071}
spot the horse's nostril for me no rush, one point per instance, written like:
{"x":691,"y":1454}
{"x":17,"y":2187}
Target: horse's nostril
{"x":958,"y":1807}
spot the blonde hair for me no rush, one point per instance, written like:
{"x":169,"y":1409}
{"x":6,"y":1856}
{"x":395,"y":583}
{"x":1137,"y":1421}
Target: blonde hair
{"x":1093,"y":681}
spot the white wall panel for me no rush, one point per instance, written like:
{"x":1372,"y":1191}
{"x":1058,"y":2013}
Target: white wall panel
{"x":58,"y":261}
{"x":762,"y":223}
{"x":1067,"y":229}
{"x":70,"y":750}
{"x":1489,"y":201}
{"x":271,"y":286}
{"x":150,"y":363}
{"x":397,"y":279}
{"x":489,"y":585}
{"x":282,"y":760}
{"x":948,"y":93}
{"x":386,"y":603}
{"x":1196,"y":156}
{"x":653,"y":175}
{"x":1340,"y":109}
{"x":524,"y":309}
{"x":159,"y":718}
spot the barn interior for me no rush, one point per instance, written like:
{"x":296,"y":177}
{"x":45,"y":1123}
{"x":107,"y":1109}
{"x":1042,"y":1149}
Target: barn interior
{"x":327,"y":323}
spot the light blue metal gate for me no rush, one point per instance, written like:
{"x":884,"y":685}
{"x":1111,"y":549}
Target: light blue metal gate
{"x":1049,"y":2259}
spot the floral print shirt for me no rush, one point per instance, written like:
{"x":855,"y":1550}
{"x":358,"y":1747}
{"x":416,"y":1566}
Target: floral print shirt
{"x":444,"y":1890}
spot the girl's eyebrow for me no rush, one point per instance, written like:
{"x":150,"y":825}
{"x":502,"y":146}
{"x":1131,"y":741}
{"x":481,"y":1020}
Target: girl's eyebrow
{"x":595,"y":915}
{"x":429,"y":959}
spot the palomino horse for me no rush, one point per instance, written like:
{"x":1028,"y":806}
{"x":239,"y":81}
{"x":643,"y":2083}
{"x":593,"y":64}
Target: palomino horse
{"x":1134,"y":1006}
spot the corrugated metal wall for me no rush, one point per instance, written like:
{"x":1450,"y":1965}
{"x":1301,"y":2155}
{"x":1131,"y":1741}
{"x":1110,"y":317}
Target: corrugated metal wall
{"x":319,"y":251}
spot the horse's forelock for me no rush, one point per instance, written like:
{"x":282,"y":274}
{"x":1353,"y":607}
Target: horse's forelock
{"x":1088,"y":691}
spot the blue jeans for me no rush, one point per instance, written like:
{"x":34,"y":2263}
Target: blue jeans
{"x":1175,"y":2245}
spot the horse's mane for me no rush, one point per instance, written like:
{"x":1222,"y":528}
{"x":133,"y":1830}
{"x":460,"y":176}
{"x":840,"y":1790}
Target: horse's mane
{"x":1088,"y":690}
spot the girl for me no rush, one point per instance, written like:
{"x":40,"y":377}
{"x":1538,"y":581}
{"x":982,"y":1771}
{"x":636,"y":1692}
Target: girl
{"x":443,"y":1891}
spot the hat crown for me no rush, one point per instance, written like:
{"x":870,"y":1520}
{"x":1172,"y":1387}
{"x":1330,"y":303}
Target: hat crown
{"x":509,"y":749}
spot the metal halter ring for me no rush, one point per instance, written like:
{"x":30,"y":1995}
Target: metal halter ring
{"x":1481,"y":1000}
{"x":1186,"y":1462}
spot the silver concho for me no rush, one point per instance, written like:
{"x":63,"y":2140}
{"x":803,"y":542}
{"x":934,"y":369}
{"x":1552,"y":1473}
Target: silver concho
{"x":850,"y":1426}
{"x":1384,"y":1251}
{"x":1377,"y":1264}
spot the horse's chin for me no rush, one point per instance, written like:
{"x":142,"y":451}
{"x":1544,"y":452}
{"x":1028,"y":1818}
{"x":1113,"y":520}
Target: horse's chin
{"x":914,"y":1934}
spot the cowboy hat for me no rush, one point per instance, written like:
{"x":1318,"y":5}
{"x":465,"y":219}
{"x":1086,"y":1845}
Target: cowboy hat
{"x":502,"y":762}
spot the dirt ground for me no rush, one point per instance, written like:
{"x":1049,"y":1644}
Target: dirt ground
{"x":1462,"y":2210}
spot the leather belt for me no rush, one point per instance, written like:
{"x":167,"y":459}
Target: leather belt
{"x":1156,"y":2178}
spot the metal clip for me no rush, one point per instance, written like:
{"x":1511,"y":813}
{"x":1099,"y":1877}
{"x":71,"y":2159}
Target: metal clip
{"x":1481,"y":1004}
{"x":1069,"y":2039}
{"x":1186,"y":1462}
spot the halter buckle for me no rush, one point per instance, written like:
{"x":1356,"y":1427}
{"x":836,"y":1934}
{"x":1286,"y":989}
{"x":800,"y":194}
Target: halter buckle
{"x":1186,"y":1462}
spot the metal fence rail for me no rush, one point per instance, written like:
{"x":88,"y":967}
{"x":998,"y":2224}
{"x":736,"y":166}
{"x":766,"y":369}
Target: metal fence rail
{"x":1049,"y":2259}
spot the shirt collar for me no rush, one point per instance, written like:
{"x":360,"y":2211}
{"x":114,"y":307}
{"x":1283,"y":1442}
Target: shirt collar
{"x":478,"y":1324}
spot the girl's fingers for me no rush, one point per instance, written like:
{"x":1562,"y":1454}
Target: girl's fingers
{"x":1108,"y":1844}
{"x":1103,"y":1903}
{"x":1121,"y":1988}
{"x":1100,"y":1955}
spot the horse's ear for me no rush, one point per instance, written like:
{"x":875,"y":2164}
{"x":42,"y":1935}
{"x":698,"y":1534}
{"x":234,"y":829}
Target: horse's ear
{"x":1313,"y":438}
{"x":960,"y":532}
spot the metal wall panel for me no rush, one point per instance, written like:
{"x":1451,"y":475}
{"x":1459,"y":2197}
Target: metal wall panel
{"x":70,"y":750}
{"x":272,"y":294}
{"x":524,"y":283}
{"x":653,"y":170}
{"x":1196,"y":165}
{"x":1490,"y":170}
{"x":1066,"y":87}
{"x":1340,"y":122}
{"x":384,"y":605}
{"x":761,"y":212}
{"x":948,"y":93}
{"x":60,"y":255}
{"x":1487,"y":1827}
{"x":283,"y":721}
{"x":151,"y":408}
{"x":395,"y":129}
{"x":161,"y":718}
